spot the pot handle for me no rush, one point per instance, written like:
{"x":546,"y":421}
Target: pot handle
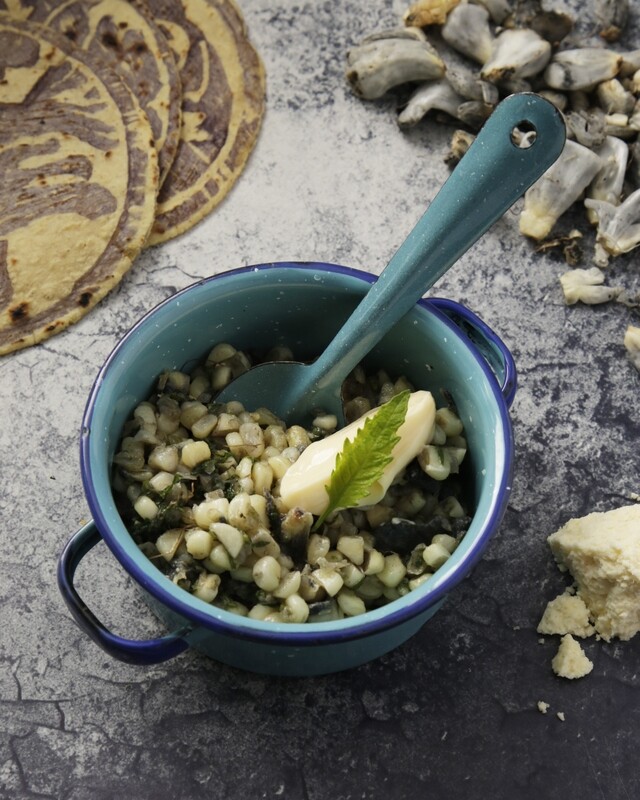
{"x":152,"y":651}
{"x":491,"y":347}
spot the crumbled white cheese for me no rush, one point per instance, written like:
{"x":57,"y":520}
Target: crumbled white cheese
{"x":560,"y":716}
{"x":543,"y":707}
{"x":570,"y":661}
{"x":566,"y":614}
{"x":602,"y":552}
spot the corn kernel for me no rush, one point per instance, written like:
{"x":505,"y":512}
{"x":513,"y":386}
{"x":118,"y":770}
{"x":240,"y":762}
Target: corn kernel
{"x":350,"y":604}
{"x":393,"y":572}
{"x":206,"y":587}
{"x":352,"y":547}
{"x":199,"y":543}
{"x":266,"y":573}
{"x":435,"y":555}
{"x":194,"y":453}
{"x":145,"y":507}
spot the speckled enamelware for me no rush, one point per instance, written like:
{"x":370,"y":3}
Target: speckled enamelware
{"x":439,"y":346}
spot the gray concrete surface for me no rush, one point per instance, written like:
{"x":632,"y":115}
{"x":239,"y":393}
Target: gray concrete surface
{"x":452,"y":713}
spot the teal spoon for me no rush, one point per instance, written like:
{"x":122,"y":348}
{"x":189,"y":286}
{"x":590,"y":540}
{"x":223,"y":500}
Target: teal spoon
{"x":496,"y":170}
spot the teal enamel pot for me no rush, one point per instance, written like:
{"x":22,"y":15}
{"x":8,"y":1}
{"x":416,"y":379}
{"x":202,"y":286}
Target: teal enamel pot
{"x":439,"y":345}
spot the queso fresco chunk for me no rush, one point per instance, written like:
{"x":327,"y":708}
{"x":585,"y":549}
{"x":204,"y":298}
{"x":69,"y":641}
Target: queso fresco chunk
{"x":602,"y":553}
{"x":202,"y":488}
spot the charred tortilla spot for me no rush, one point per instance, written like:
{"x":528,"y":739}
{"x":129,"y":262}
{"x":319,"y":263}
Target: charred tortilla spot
{"x":85,"y":299}
{"x":109,"y":40}
{"x":19,"y":312}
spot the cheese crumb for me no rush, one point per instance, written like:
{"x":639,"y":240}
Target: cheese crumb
{"x":543,"y":707}
{"x":570,"y":660}
{"x":602,"y":552}
{"x":560,"y":716}
{"x":566,"y":614}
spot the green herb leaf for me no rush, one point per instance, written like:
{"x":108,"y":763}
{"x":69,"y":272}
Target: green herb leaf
{"x":362,"y":461}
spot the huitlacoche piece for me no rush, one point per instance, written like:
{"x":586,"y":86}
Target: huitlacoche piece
{"x":612,"y":17}
{"x":428,"y":12}
{"x":618,"y":226}
{"x":584,"y":68}
{"x":560,"y":186}
{"x":520,"y":47}
{"x":468,"y":32}
{"x":435,"y":95}
{"x":518,"y":53}
{"x":389,"y":59}
{"x":499,"y":10}
{"x":586,"y":286}
{"x":609,"y":181}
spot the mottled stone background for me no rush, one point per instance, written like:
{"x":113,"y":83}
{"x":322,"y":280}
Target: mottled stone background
{"x":452,"y":713}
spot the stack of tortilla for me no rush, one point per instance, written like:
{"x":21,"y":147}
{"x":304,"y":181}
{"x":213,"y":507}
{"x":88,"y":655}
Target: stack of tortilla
{"x":124,"y":122}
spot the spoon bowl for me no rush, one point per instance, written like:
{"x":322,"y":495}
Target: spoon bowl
{"x":522,"y":138}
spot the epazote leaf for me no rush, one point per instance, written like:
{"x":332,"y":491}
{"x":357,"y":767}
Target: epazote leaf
{"x":362,"y":461}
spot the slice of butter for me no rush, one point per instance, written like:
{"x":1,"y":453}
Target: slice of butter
{"x":303,"y":484}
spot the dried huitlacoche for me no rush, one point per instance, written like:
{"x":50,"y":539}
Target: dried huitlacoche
{"x":560,"y":186}
{"x":551,"y":25}
{"x":470,"y":86}
{"x":518,"y":47}
{"x":612,"y":17}
{"x":586,"y":286}
{"x":614,"y":98}
{"x":632,"y":345}
{"x":467,"y":30}
{"x":634,"y":163}
{"x":618,"y":226}
{"x":570,"y":70}
{"x":437,"y":95}
{"x":608,"y":183}
{"x":630,"y":63}
{"x":428,"y":12}
{"x":389,"y":59}
{"x":474,"y":113}
{"x":558,"y":99}
{"x":517,"y":53}
{"x":587,"y":127}
{"x":568,"y":243}
{"x":461,"y":141}
{"x":499,"y":10}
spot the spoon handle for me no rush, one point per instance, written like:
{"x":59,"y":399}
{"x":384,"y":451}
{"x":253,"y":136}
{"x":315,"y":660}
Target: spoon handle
{"x":492,"y":175}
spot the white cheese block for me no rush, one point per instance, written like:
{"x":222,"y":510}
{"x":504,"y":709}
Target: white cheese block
{"x":570,"y":661}
{"x":304,"y":483}
{"x":602,"y":552}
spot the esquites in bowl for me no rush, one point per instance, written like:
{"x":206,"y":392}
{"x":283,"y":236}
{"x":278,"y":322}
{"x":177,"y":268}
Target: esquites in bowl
{"x":192,"y":497}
